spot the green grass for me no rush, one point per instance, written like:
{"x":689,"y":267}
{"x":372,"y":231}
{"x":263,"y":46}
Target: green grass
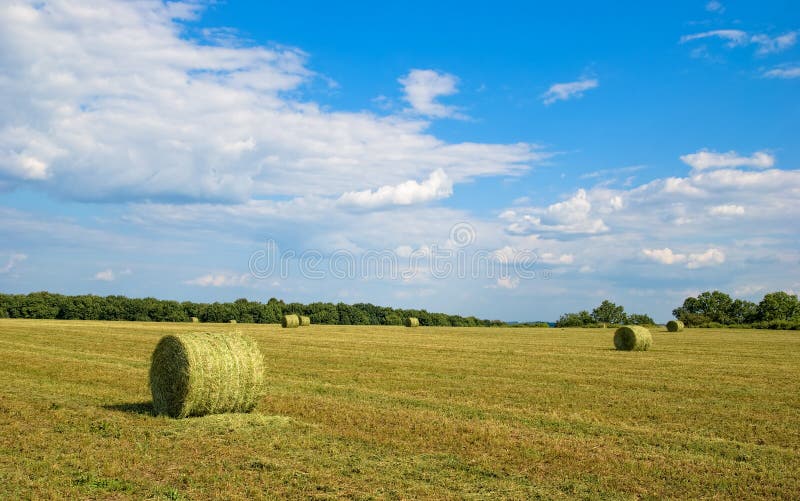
{"x":390,"y":412}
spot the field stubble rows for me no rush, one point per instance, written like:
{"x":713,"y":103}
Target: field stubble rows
{"x":384,"y":412}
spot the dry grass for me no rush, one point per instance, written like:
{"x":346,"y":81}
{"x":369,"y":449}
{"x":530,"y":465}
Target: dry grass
{"x":366,"y":412}
{"x":199,"y":373}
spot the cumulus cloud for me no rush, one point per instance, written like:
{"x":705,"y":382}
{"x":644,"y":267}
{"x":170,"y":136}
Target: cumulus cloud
{"x":422,"y":88}
{"x":220,"y":280}
{"x":437,"y":186}
{"x":106,"y":275}
{"x":12,"y":262}
{"x":737,"y":38}
{"x":785,"y":72}
{"x":705,"y":159}
{"x":507,"y":283}
{"x":711,"y":257}
{"x":571,"y":216}
{"x":726,"y":210}
{"x":664,"y":256}
{"x":568,"y":90}
{"x":182,"y":120}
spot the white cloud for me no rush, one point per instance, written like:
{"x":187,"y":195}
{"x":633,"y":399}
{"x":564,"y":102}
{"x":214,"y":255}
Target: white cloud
{"x":664,"y":256}
{"x":738,"y":38}
{"x":180,"y":120}
{"x":220,"y":280}
{"x":705,"y":159}
{"x":105,"y":275}
{"x":768,"y":45}
{"x":783,"y":72}
{"x":568,"y":90}
{"x":423,"y":87}
{"x":12,"y":262}
{"x":437,"y":186}
{"x":711,"y":257}
{"x":507,"y":283}
{"x":734,"y":37}
{"x":715,"y":6}
{"x":726,"y":210}
{"x":571,"y":216}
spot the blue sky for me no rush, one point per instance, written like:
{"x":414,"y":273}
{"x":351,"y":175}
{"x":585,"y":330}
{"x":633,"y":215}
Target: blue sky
{"x":635,"y":152}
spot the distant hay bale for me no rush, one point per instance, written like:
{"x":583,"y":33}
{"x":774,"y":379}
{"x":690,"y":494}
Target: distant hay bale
{"x":290,"y":321}
{"x":304,"y":320}
{"x":412,"y":322}
{"x":194,"y":374}
{"x":231,"y":321}
{"x":675,"y":326}
{"x":633,"y":338}
{"x":195,"y":320}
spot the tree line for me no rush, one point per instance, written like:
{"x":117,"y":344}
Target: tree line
{"x":46,"y":305}
{"x":777,"y":310}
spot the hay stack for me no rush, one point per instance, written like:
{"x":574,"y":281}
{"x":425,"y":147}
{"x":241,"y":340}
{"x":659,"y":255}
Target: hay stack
{"x":193,"y":374}
{"x":633,"y":338}
{"x":675,"y":326}
{"x":412,"y":322}
{"x":195,"y":320}
{"x":231,"y":321}
{"x":290,"y":321}
{"x":304,"y":320}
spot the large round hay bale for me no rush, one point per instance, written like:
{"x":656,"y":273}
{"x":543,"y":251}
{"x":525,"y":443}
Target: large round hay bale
{"x":231,"y":321}
{"x":290,"y":321}
{"x":195,"y":320}
{"x":633,"y":338}
{"x":304,"y":320}
{"x":412,"y":322}
{"x":198,"y":373}
{"x":675,"y":326}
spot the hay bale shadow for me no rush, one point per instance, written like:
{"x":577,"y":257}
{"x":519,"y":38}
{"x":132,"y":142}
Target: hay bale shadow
{"x":141,"y":408}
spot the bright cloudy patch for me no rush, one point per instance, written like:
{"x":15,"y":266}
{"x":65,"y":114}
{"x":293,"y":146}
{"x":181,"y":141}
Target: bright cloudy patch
{"x":220,"y":280}
{"x":568,"y":90}
{"x":12,"y":262}
{"x":507,"y":283}
{"x":785,"y":72}
{"x":726,"y":210}
{"x":711,"y":257}
{"x":106,"y":275}
{"x":737,"y":38}
{"x":181,"y":120}
{"x":571,"y":216}
{"x":715,"y":6}
{"x":664,"y":256}
{"x":422,"y":88}
{"x":437,"y":186}
{"x":705,"y":159}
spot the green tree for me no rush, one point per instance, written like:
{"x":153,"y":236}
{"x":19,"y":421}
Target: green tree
{"x":778,"y":306}
{"x":609,"y":313}
{"x":580,"y":319}
{"x":640,"y":319}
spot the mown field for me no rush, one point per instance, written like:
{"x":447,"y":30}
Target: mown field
{"x":384,"y":412}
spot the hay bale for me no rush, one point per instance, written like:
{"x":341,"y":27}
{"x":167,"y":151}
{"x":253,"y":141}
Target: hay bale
{"x":633,"y":338}
{"x":290,"y":321}
{"x":412,"y":322}
{"x":304,"y":320}
{"x":231,"y":321}
{"x":675,"y":326}
{"x":198,"y":373}
{"x":195,"y":320}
